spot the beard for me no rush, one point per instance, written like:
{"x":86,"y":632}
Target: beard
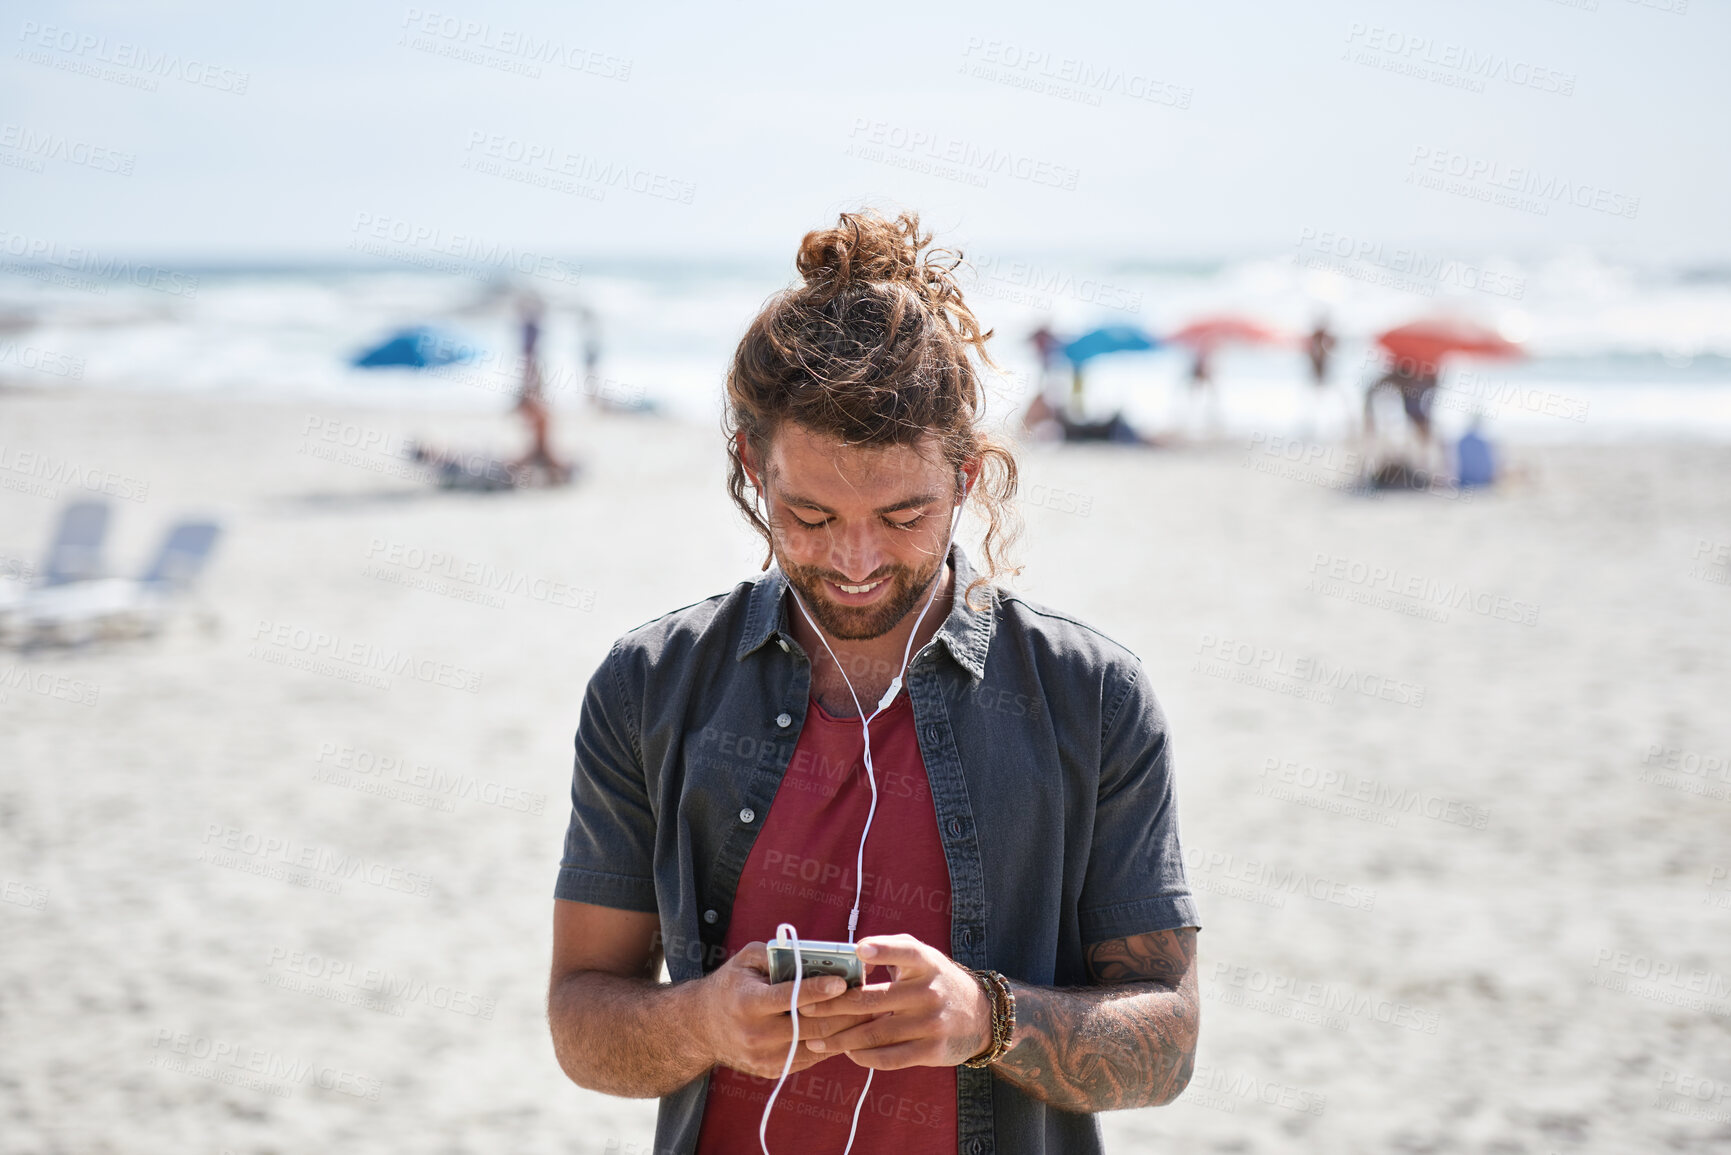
{"x":861,"y":623}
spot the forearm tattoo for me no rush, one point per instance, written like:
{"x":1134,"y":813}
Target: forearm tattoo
{"x":1129,"y":1041}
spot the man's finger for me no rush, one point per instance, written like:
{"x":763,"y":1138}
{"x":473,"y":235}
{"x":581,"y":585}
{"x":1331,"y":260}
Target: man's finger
{"x":753,"y":956}
{"x":879,"y":1032}
{"x":893,"y":1057}
{"x":821,"y":1027}
{"x":902,"y":951}
{"x":770,"y":997}
{"x":871,"y":999}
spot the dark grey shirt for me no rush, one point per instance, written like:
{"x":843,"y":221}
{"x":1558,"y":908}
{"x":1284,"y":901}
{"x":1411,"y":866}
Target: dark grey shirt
{"x":1050,"y":770}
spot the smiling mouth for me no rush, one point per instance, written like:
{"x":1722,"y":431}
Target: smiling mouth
{"x":860,"y":589}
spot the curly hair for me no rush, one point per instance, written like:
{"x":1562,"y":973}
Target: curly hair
{"x":876,"y":347}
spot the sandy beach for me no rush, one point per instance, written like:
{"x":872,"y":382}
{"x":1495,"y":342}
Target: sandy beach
{"x":1453,"y":775}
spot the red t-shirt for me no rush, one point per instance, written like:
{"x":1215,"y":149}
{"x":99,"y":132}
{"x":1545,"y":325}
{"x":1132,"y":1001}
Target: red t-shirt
{"x":801,"y":870}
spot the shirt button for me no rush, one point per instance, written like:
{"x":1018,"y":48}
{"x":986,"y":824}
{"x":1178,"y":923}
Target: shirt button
{"x":782,"y":642}
{"x":977,"y":1147}
{"x":784,"y":720}
{"x":956,"y":827}
{"x":748,"y":815}
{"x":710,"y":916}
{"x":932,"y":735}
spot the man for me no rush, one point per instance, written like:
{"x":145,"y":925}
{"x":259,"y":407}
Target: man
{"x":1017,"y":783}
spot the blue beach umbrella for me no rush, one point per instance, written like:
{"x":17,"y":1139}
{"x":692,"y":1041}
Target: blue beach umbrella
{"x":1111,"y":339}
{"x":420,"y":347}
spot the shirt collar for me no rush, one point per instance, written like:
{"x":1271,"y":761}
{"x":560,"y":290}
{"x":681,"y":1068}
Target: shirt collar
{"x":966,"y":633}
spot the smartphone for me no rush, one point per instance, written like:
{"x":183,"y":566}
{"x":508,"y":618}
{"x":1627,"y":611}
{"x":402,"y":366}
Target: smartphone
{"x":816,"y":959}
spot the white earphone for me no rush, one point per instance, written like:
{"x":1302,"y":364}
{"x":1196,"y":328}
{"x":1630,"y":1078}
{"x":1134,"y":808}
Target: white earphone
{"x":786,"y":934}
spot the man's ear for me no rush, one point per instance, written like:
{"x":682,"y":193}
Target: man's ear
{"x":748,"y":460}
{"x":970,"y":474}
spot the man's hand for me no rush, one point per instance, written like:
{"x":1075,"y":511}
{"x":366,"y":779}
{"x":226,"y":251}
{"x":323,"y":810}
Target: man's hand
{"x":745,"y":1022}
{"x":932,"y":1012}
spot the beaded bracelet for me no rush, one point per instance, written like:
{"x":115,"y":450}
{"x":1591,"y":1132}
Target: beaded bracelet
{"x":997,"y":989}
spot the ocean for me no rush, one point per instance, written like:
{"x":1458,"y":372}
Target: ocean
{"x":1614,"y":351}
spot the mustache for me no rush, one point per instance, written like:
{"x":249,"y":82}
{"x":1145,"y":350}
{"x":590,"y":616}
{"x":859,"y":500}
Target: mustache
{"x":812,"y":571}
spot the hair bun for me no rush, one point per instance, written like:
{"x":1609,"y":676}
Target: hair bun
{"x":865,"y":248}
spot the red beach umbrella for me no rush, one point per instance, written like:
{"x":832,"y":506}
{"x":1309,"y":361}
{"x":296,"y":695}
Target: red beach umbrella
{"x":1427,"y":342}
{"x":1209,"y":332}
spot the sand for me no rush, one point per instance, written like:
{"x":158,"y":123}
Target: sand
{"x":1462,"y":857}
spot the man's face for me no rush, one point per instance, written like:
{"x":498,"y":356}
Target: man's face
{"x":859,"y":531}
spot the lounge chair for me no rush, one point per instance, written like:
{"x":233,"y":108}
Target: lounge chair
{"x":70,"y":613}
{"x":75,"y":554}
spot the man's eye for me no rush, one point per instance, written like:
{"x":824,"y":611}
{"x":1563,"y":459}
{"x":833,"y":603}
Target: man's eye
{"x":811,"y":524}
{"x":908,"y":524}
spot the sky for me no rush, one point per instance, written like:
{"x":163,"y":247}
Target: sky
{"x":1147,"y":131}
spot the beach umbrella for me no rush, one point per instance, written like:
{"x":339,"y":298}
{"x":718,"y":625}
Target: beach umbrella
{"x":1209,"y":332}
{"x":1111,"y":339}
{"x":420,"y":347}
{"x":1426,"y":342}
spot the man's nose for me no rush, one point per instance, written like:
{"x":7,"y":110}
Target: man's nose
{"x":856,"y":553}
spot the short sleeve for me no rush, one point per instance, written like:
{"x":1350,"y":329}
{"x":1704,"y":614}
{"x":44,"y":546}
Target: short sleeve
{"x":1135,"y":881}
{"x":610,"y":842}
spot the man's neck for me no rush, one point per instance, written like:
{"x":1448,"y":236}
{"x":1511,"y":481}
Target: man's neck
{"x":872,"y":663}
